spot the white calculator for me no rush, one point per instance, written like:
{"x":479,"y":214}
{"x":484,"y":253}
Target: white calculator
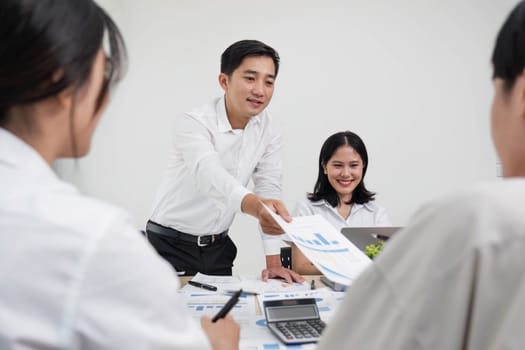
{"x":294,"y":321}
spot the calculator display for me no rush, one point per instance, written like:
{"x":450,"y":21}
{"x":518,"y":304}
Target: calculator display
{"x":295,"y":312}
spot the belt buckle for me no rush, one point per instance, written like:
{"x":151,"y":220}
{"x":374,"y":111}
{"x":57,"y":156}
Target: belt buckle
{"x":200,"y":244}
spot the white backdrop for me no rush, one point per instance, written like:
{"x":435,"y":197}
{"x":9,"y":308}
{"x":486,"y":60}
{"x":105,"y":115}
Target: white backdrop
{"x":411,"y":77}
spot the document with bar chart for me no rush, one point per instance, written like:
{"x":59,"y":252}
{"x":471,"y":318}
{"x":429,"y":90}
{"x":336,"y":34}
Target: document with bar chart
{"x":335,"y":256}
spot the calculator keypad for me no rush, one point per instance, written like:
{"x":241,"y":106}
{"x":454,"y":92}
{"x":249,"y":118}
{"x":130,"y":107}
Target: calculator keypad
{"x":301,"y":329}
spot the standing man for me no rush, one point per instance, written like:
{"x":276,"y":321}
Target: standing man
{"x":217,"y":149}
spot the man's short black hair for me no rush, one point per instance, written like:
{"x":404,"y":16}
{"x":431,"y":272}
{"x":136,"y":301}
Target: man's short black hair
{"x":508,"y":57}
{"x":233,"y":56}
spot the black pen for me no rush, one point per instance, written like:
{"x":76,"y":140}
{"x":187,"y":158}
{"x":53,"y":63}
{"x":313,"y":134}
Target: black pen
{"x":312,"y":285}
{"x":202,"y":285}
{"x":228,"y":306}
{"x":243,"y":293}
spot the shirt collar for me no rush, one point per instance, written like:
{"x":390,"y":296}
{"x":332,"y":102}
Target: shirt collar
{"x":355,"y":206}
{"x":223,"y":124}
{"x":15,"y":153}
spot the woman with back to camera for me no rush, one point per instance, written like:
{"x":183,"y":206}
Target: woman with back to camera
{"x":340,"y":195}
{"x":74,"y":272}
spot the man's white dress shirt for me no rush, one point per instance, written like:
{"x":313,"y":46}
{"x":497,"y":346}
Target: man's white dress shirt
{"x":74,"y":273}
{"x":454,"y":278}
{"x":210,"y":168}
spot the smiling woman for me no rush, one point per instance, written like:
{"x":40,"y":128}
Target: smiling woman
{"x":340,"y":194}
{"x":453,"y":277}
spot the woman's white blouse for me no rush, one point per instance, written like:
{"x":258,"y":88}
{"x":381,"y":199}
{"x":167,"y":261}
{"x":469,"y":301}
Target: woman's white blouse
{"x":362,"y":215}
{"x":74,"y":273}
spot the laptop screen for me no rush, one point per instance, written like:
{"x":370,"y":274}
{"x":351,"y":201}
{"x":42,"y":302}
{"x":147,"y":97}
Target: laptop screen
{"x":363,"y":236}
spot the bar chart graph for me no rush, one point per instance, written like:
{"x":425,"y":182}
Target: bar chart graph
{"x":336,"y":257}
{"x":318,"y":242}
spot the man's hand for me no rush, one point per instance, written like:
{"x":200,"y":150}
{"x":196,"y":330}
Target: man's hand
{"x":275,"y":269}
{"x":281,"y":272}
{"x":223,"y":334}
{"x":253,"y":205}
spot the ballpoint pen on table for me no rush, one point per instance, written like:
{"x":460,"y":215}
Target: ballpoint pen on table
{"x":202,"y":285}
{"x":243,"y":292}
{"x":228,"y":306}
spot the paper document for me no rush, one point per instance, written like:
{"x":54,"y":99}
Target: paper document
{"x":250,"y":284}
{"x":336,"y":257}
{"x":254,"y":332}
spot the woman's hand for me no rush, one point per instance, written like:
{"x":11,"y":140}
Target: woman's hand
{"x":223,"y":334}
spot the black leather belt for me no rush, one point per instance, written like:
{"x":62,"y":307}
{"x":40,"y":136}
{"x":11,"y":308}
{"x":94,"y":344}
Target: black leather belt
{"x":201,"y":241}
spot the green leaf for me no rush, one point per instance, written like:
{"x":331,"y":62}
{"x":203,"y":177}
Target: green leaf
{"x":373,"y":249}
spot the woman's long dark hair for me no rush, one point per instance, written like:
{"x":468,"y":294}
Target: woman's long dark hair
{"x":48,"y":46}
{"x":323,"y":189}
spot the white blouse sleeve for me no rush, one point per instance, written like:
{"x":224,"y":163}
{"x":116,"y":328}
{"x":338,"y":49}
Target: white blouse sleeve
{"x":303,"y":208}
{"x":127,"y":298}
{"x":381,"y":217}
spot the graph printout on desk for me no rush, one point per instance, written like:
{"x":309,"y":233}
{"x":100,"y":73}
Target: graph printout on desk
{"x":336,"y":257}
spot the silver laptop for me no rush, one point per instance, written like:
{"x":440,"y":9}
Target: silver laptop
{"x":363,"y":236}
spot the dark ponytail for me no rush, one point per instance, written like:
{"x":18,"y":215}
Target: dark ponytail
{"x":50,"y":45}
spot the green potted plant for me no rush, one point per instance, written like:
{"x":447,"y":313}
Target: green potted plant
{"x":373,"y":249}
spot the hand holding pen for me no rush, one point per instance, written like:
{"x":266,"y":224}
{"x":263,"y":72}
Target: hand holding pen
{"x":228,"y":306}
{"x":223,"y":334}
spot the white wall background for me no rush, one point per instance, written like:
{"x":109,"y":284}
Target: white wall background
{"x":411,"y":77}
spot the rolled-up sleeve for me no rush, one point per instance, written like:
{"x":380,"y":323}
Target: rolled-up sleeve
{"x":135,"y":304}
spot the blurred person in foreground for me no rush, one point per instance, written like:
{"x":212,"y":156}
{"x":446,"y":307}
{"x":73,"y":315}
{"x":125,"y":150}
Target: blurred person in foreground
{"x":74,"y":273}
{"x":455,"y":277}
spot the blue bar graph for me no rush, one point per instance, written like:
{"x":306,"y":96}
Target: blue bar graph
{"x":321,"y":238}
{"x":320,"y":243}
